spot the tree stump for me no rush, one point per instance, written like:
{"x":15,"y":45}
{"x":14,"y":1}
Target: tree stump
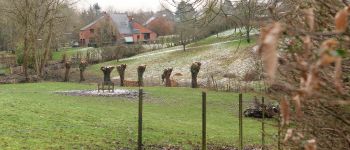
{"x":82,"y":66}
{"x":166,"y":75}
{"x":107,"y":70}
{"x":140,"y":70}
{"x":121,"y":70}
{"x":67,"y":66}
{"x":195,"y":68}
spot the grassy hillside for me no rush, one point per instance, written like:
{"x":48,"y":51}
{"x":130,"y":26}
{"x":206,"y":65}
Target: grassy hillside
{"x":218,"y":59}
{"x":70,"y":52}
{"x":33,"y":117}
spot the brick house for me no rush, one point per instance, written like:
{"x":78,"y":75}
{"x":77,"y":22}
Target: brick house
{"x":125,"y":30}
{"x":142,"y":34}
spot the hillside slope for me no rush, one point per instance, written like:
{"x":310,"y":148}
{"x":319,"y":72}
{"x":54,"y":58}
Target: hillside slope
{"x":217,"y":59}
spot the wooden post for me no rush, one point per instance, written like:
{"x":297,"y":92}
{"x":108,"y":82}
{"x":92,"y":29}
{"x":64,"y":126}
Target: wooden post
{"x":139,"y":139}
{"x":240,"y":122}
{"x":263,"y":123}
{"x":204,"y":121}
{"x":98,"y":87}
{"x":279,"y":131}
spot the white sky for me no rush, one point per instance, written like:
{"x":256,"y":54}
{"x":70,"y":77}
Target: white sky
{"x":122,"y":5}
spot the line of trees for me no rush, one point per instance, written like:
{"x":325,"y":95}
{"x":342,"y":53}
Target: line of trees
{"x":199,"y":19}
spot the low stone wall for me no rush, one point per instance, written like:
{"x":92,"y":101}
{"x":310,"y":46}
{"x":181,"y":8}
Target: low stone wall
{"x":8,"y":60}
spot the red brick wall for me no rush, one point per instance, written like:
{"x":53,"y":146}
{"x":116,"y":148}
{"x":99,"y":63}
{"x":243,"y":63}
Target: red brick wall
{"x":142,"y":29}
{"x":86,"y":35}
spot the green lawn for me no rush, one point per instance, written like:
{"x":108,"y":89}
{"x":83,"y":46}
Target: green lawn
{"x":70,"y":52}
{"x":33,"y":117}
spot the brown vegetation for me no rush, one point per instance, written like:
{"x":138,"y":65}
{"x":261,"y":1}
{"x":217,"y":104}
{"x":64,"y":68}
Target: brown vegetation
{"x":313,"y":95}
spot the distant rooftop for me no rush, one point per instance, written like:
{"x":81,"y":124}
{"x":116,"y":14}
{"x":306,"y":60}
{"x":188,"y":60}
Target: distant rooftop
{"x":122,"y":21}
{"x":92,"y":23}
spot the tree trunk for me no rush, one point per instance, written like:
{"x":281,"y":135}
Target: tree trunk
{"x":107,"y":74}
{"x":25,"y":58}
{"x":46,"y":52}
{"x":82,"y":76}
{"x":82,"y":66}
{"x":196,"y":66}
{"x":140,"y":70}
{"x":66,"y":75}
{"x":166,"y":75}
{"x":194,"y":83}
{"x":121,"y":70}
{"x":248,"y":35}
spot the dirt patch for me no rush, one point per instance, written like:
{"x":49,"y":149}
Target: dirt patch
{"x":115,"y":93}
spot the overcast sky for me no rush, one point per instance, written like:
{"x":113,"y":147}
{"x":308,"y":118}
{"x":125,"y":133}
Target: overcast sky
{"x":122,"y":5}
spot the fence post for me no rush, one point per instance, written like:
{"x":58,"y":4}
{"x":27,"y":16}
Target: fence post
{"x":139,"y":139}
{"x":240,"y":122}
{"x":204,"y":121}
{"x":263,"y":123}
{"x":279,"y":132}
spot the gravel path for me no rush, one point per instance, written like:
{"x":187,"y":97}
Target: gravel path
{"x":116,"y":93}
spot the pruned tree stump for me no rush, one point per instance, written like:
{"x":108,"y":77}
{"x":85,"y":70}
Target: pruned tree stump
{"x":121,"y":70}
{"x":82,"y":66}
{"x":107,"y":70}
{"x":195,"y":68}
{"x":166,"y":76}
{"x":140,"y":71}
{"x":67,"y":65}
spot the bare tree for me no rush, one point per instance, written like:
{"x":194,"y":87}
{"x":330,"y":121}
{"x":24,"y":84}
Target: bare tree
{"x":166,"y":76}
{"x":121,"y":70}
{"x":248,"y":11}
{"x":37,"y":19}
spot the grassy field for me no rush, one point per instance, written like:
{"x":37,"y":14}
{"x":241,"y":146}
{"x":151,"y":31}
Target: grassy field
{"x":69,"y":52}
{"x":216,"y":59}
{"x":33,"y":117}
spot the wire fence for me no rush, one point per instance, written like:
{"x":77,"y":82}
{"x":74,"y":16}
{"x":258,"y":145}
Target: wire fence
{"x":206,"y":129}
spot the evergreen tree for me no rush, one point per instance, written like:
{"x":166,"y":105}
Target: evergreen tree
{"x":185,"y":17}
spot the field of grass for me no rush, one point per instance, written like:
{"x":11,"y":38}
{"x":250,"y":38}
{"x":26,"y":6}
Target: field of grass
{"x":70,"y":52}
{"x":33,"y":117}
{"x":216,"y":59}
{"x":224,"y":36}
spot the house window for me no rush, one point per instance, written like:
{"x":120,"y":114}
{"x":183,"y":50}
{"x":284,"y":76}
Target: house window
{"x":92,"y":30}
{"x":138,"y":37}
{"x":147,"y":36}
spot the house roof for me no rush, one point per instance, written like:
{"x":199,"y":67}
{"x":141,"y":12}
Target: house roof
{"x":91,"y":24}
{"x":149,"y":20}
{"x":140,"y":29}
{"x":122,"y":22}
